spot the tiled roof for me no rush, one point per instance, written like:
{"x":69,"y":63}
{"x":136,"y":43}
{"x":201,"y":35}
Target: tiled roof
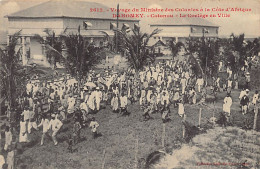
{"x":74,"y":9}
{"x":177,"y":21}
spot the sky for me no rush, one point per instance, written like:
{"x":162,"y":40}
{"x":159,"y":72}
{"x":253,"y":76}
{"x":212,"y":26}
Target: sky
{"x":238,"y":22}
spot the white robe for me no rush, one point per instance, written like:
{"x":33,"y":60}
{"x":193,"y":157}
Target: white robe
{"x":181,"y":109}
{"x":23,"y":137}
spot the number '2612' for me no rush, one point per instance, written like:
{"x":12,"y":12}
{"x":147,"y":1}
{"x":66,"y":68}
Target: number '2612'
{"x":96,"y":10}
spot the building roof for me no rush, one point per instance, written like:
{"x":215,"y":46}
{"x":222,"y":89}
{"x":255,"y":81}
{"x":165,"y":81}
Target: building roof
{"x":185,"y":21}
{"x":71,"y":9}
{"x":153,"y":42}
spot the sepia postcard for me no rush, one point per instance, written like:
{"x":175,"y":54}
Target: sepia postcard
{"x":129,"y":84}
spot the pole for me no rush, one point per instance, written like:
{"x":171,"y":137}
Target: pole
{"x":163,"y":135}
{"x":255,"y":118}
{"x":183,"y":131}
{"x":199,"y":117}
{"x":104,"y":158}
{"x":117,"y":27}
{"x":136,"y":152}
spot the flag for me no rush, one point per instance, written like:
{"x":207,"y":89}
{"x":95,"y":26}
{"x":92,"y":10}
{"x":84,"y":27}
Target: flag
{"x":136,"y":27}
{"x":112,"y":26}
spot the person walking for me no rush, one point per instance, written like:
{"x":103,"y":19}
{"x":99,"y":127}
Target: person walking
{"x":45,"y":127}
{"x":55,"y":125}
{"x":94,"y":125}
{"x":8,"y":138}
{"x":227,"y":105}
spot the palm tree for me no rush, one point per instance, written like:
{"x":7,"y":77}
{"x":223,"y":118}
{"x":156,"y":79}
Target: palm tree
{"x":135,"y":45}
{"x":81,"y":55}
{"x":12,"y":72}
{"x":175,"y":47}
{"x":53,"y":45}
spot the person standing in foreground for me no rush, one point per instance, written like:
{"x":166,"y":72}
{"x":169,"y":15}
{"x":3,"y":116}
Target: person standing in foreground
{"x":8,"y":138}
{"x":10,"y":159}
{"x":94,"y":125}
{"x":227,"y":105}
{"x":55,"y":125}
{"x":45,"y":127}
{"x":2,"y":161}
{"x":244,"y":104}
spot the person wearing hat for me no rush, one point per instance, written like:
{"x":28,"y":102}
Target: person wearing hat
{"x":91,"y":101}
{"x":26,"y":113}
{"x":242,"y":93}
{"x":142,"y":97}
{"x":23,"y":136}
{"x":148,"y":95}
{"x":255,"y":98}
{"x":94,"y":125}
{"x":183,"y":84}
{"x":165,"y":98}
{"x":123,"y":103}
{"x":45,"y":127}
{"x":115,"y":103}
{"x":247,"y":79}
{"x":8,"y":138}
{"x":200,"y":83}
{"x":55,"y":125}
{"x":2,"y":161}
{"x":181,"y":111}
{"x":146,"y":111}
{"x":84,"y":109}
{"x":227,"y":105}
{"x":32,"y":121}
{"x":98,"y":97}
{"x":244,"y":102}
{"x":165,"y":113}
{"x":71,"y":103}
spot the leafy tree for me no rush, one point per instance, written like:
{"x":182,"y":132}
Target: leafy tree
{"x":81,"y":55}
{"x":203,"y":55}
{"x":175,"y":47}
{"x":208,"y":55}
{"x":135,"y":45}
{"x":10,"y":68}
{"x":53,"y":46}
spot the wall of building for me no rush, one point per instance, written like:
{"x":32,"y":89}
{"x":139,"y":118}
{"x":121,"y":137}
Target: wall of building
{"x":198,"y":31}
{"x":31,"y":26}
{"x":186,"y":31}
{"x":102,"y":24}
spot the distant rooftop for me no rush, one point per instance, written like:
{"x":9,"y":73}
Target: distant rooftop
{"x":185,"y":21}
{"x":70,"y":9}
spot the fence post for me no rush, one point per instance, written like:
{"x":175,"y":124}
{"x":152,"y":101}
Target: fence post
{"x":163,"y":135}
{"x":255,"y":118}
{"x":199,"y":117}
{"x":104,"y":158}
{"x":136,"y":152}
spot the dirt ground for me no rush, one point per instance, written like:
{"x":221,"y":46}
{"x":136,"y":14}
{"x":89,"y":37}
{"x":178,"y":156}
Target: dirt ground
{"x":116,"y":148}
{"x":126,"y":140}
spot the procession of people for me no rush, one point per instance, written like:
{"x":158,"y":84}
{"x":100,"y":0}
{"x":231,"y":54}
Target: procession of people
{"x":47,"y":105}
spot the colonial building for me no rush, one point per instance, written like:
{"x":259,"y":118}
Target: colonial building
{"x":58,"y":16}
{"x":180,"y":29}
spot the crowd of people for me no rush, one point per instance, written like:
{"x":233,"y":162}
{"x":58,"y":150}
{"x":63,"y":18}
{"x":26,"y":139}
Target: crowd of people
{"x":47,"y":104}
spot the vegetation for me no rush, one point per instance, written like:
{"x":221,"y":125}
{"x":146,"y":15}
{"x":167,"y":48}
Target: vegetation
{"x":53,"y":46}
{"x":135,"y":45}
{"x":175,"y":47}
{"x":11,"y":70}
{"x":82,"y":55}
